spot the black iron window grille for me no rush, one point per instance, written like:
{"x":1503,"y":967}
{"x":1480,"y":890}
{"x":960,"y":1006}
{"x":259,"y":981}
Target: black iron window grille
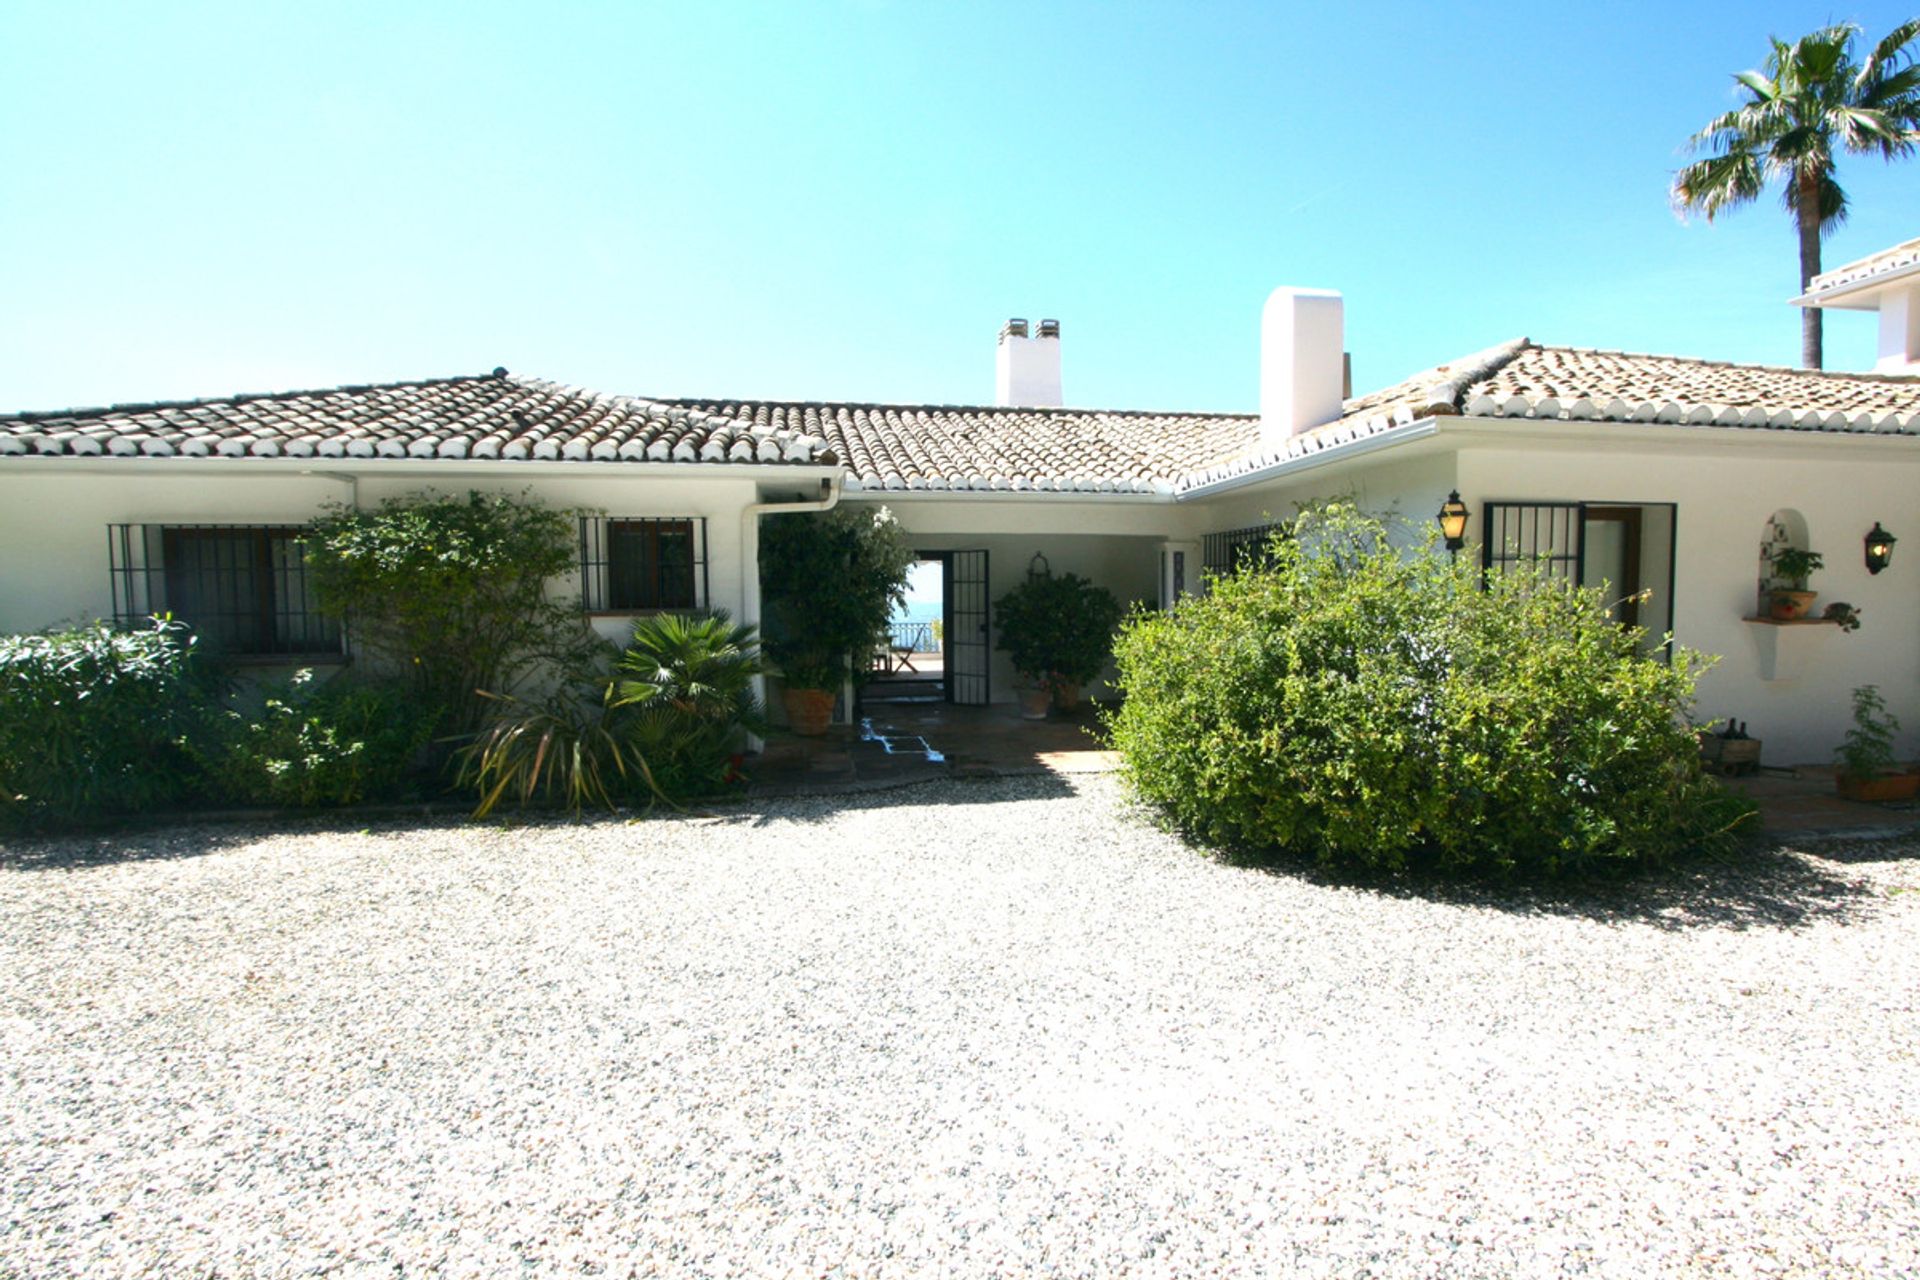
{"x":1233,"y":550}
{"x":243,"y":589}
{"x":1550,"y":533}
{"x":634,"y":564}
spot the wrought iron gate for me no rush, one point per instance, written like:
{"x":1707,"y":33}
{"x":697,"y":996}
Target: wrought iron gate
{"x":968,"y":648}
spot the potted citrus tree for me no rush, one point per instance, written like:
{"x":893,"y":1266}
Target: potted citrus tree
{"x":1790,"y":568}
{"x":828,"y":581}
{"x":1059,"y":632}
{"x":1867,"y":768}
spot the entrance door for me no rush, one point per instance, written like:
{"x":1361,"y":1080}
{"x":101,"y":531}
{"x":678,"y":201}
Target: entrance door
{"x":968,"y":650}
{"x":1611,"y":559}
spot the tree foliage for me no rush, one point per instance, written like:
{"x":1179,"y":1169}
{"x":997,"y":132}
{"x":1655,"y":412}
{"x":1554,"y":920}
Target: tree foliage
{"x":1376,"y":708}
{"x":1813,"y":99}
{"x":1058,"y":628}
{"x":829,"y":581}
{"x":453,"y":593}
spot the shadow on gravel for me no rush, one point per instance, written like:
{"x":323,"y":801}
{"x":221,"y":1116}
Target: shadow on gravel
{"x":1773,"y":887}
{"x":196,"y":836}
{"x":956,"y":790}
{"x":159,"y":839}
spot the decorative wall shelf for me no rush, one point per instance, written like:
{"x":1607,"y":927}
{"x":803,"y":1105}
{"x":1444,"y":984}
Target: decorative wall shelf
{"x":1782,"y":643}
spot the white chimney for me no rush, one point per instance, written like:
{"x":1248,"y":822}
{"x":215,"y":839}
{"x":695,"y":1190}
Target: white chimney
{"x":1028,"y":368}
{"x":1302,"y":362}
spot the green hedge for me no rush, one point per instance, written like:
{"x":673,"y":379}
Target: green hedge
{"x":1372,"y":706}
{"x":95,"y":720}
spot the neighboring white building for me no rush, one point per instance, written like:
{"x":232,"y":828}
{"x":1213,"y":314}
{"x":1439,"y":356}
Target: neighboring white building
{"x":1651,"y":473}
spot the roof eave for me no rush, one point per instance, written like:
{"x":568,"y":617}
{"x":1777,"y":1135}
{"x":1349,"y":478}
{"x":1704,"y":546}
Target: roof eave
{"x":1859,"y":295}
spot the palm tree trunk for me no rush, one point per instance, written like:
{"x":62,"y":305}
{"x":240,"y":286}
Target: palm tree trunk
{"x":1807,"y":214}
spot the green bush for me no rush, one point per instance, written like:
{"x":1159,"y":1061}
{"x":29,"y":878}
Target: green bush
{"x":830,"y":581}
{"x":95,"y":720}
{"x":1372,"y":706}
{"x":570,"y":749}
{"x":689,"y":684}
{"x":667,"y":725}
{"x":330,"y":744}
{"x":1058,"y":630}
{"x":452,"y":593}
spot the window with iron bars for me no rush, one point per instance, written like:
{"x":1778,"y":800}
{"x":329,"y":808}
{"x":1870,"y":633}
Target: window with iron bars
{"x":1233,"y":550}
{"x":243,"y":589}
{"x":638,"y":564}
{"x":1551,"y":534}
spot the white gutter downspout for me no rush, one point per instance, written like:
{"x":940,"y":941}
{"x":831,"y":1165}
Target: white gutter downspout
{"x":750,"y":515}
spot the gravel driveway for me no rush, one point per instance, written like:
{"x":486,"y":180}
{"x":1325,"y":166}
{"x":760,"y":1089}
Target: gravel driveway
{"x":997,"y":1028}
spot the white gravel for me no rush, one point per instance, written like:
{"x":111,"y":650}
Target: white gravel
{"x":966,"y":1029}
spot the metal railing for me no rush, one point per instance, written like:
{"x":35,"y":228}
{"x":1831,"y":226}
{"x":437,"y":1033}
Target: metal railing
{"x":914,"y":637}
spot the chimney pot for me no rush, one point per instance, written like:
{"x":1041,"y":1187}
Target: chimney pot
{"x":1014,"y":328}
{"x":1049,"y":328}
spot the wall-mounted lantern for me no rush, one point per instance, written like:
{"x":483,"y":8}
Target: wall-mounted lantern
{"x":1879,"y":548}
{"x":1453,"y":521}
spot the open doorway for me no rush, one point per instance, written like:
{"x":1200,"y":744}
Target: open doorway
{"x":910,"y":666}
{"x":936,"y":648}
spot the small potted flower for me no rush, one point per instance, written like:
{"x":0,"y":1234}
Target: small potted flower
{"x":1867,"y":768}
{"x":1789,"y":569}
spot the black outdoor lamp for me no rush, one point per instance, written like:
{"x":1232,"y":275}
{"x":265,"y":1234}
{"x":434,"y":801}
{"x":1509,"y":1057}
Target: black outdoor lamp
{"x":1453,"y":521}
{"x":1879,"y":548}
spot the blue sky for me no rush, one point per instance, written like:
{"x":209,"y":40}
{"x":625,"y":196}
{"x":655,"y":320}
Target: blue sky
{"x":844,"y":200}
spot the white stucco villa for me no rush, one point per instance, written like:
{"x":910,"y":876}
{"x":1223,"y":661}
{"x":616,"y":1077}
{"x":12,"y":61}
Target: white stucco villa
{"x":1652,"y":473}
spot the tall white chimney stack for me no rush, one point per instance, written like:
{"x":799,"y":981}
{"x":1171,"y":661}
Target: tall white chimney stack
{"x":1028,"y":368}
{"x":1302,"y":362}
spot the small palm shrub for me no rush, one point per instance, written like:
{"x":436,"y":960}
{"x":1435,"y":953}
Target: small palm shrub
{"x":313,"y":744}
{"x":95,"y":720}
{"x":666,"y":725}
{"x":1374,"y":707}
{"x":688,"y":682}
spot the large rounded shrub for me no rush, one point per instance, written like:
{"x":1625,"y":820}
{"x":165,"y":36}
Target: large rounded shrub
{"x":1374,"y":706}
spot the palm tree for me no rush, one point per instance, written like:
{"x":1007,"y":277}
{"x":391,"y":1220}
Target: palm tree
{"x":1811,"y":101}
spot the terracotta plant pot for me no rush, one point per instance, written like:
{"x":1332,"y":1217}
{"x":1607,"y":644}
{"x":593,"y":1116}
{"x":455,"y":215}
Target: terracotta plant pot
{"x":1034,"y":703}
{"x":809,"y":711}
{"x":1785,"y":606}
{"x":1066,"y":694}
{"x":1887,"y":786}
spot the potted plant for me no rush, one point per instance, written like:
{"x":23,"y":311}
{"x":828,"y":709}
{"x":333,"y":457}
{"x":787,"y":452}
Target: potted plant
{"x":1791,"y":566}
{"x":1059,"y":632}
{"x":1867,"y":769}
{"x":829,"y":581}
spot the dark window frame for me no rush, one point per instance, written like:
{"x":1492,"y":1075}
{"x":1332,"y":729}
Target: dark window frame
{"x":626,"y":568}
{"x":263,"y":609}
{"x":1225,"y":553}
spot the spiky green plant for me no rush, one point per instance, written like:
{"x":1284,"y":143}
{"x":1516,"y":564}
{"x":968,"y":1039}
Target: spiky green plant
{"x":569,"y":750}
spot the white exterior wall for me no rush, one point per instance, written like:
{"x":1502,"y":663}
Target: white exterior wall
{"x":1724,"y":485}
{"x":1383,"y":484}
{"x":1723,"y":497}
{"x":54,"y":518}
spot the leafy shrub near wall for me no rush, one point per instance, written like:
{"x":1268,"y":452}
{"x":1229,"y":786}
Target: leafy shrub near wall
{"x":95,"y":720}
{"x":830,"y":581}
{"x":312,"y":744}
{"x":453,"y":593}
{"x":667,"y":724}
{"x":1373,"y":707}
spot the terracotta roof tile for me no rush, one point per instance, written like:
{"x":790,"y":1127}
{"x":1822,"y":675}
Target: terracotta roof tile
{"x":494,"y":416}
